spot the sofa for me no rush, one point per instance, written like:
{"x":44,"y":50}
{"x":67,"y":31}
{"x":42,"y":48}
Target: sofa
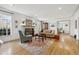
{"x":48,"y":33}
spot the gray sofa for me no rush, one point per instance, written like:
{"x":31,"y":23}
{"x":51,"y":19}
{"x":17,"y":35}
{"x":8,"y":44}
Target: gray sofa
{"x":25,"y":38}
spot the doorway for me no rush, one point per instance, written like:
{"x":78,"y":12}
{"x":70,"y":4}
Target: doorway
{"x":63,"y":26}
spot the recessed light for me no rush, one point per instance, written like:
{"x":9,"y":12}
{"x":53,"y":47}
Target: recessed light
{"x":59,"y":8}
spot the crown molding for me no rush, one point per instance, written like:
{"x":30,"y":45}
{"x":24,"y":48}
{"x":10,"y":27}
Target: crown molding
{"x":75,"y":10}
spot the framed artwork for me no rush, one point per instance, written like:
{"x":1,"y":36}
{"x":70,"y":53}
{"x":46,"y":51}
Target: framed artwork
{"x":16,"y":26}
{"x":28,"y":23}
{"x":16,"y":21}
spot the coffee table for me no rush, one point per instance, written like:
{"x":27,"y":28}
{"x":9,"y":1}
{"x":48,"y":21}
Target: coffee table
{"x":43,"y":36}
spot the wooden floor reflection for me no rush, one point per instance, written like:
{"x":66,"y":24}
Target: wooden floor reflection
{"x":69,"y":47}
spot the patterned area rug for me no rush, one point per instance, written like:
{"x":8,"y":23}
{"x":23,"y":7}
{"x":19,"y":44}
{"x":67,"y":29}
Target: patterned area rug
{"x":36,"y":47}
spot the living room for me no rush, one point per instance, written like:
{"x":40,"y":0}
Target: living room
{"x":38,"y":27}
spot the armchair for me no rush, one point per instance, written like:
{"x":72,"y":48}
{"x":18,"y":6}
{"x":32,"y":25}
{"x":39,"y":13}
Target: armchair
{"x":25,"y":38}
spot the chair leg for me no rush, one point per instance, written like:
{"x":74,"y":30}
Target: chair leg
{"x":30,"y":40}
{"x":45,"y":38}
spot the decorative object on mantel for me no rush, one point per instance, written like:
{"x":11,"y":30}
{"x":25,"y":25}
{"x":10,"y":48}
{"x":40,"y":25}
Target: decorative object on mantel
{"x":23,"y":24}
{"x":34,"y":24}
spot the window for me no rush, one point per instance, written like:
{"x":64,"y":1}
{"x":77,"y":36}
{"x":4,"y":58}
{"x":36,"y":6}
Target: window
{"x":5,"y":25}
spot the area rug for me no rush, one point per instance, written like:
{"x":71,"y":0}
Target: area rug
{"x":36,"y":47}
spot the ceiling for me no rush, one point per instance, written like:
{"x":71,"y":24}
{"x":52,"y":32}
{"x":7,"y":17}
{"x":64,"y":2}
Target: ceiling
{"x":44,"y":11}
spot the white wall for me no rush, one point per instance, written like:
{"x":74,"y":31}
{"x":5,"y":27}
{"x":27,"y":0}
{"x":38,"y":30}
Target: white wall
{"x":76,"y":17}
{"x":19,"y":18}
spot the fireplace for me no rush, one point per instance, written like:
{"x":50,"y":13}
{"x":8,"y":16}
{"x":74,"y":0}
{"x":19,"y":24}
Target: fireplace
{"x":29,"y":31}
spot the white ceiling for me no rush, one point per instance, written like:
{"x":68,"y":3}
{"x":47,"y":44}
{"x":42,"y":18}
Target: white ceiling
{"x":46,"y":11}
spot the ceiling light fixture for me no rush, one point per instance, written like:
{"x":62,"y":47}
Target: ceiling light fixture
{"x":59,"y":8}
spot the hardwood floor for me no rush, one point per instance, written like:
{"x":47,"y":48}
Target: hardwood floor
{"x":68,"y":47}
{"x":12,"y":48}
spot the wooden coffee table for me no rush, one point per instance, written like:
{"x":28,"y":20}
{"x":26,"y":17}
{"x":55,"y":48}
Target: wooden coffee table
{"x":43,"y":36}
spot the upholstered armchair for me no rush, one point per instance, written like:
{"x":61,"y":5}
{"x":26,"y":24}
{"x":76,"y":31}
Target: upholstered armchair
{"x":25,"y":38}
